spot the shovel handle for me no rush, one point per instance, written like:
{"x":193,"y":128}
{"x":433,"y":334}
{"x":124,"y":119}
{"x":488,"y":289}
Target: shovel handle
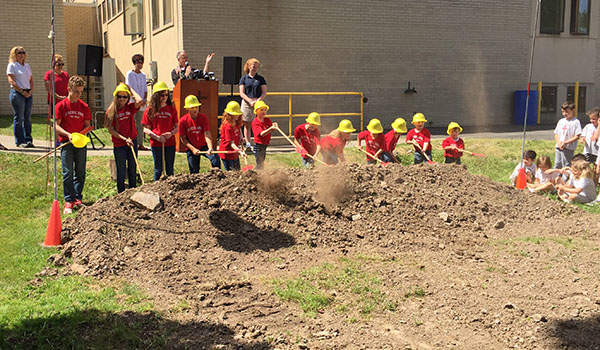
{"x":49,"y":153}
{"x":369,"y":155}
{"x":137,"y":164}
{"x":471,"y":153}
{"x":293,"y":144}
{"x":429,"y":161}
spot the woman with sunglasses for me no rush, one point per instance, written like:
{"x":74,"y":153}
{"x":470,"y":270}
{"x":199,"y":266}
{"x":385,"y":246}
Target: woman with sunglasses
{"x":161,"y":125}
{"x":61,"y":81}
{"x":21,"y":99}
{"x":120,"y":122}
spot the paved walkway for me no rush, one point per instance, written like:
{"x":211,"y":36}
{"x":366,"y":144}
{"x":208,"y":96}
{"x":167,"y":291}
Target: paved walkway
{"x":43,"y":147}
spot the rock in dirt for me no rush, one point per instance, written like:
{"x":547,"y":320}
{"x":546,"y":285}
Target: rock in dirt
{"x":57,"y":260}
{"x":444,"y":216}
{"x":499,"y":224}
{"x":150,"y":201}
{"x":538,"y":318}
{"x":356,"y":217}
{"x":79,"y":269}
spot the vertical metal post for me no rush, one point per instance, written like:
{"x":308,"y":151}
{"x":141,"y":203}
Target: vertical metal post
{"x":576,"y":98}
{"x":53,"y":92}
{"x":539,"y":109}
{"x":290,"y":114}
{"x":361,"y":111}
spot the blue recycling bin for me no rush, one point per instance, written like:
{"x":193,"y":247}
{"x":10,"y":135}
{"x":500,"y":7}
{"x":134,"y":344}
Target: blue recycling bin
{"x":520,"y":101}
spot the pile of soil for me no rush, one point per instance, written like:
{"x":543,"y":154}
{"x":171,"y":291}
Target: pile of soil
{"x":498,"y":267}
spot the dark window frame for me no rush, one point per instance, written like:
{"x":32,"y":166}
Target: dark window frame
{"x":576,"y":20}
{"x":549,"y":99}
{"x":581,"y":105}
{"x":548,"y":13}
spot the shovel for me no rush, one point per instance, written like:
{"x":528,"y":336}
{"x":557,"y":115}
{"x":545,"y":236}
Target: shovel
{"x":300,"y":149}
{"x":429,"y":161}
{"x":471,"y":153}
{"x":247,"y":166}
{"x":372,"y":156}
{"x":137,"y":164}
{"x":164,"y":164}
{"x":81,"y":142}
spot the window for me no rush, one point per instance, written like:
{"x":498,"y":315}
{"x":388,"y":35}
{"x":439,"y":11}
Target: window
{"x":582,"y":96}
{"x":552,"y":14}
{"x":109,"y":9}
{"x":155,"y":14}
{"x":167,"y":12}
{"x":104,"y":12}
{"x":114,"y":8}
{"x":119,"y":5}
{"x":548,"y":99}
{"x":105,"y":43}
{"x":580,"y":17}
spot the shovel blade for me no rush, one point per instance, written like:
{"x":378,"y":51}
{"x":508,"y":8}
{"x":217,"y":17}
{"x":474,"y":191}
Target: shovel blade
{"x":247,"y":167}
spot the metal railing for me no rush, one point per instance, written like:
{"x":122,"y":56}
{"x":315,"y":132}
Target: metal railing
{"x":290,"y":115}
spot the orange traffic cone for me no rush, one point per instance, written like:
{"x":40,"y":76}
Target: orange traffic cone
{"x":521,"y":179}
{"x":54,"y":227}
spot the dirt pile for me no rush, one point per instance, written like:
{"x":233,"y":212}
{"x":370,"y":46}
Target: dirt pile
{"x":218,"y":238}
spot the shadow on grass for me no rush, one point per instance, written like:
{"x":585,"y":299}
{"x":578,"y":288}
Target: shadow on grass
{"x":242,"y":236}
{"x":576,"y":334}
{"x":93,"y":329}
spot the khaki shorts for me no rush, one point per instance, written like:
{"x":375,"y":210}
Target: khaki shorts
{"x":247,"y":112}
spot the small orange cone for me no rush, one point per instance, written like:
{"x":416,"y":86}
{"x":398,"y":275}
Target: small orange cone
{"x":521,"y":179}
{"x":54,"y":227}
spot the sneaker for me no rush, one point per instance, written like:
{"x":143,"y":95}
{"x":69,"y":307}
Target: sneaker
{"x":22,"y":145}
{"x":29,"y":145}
{"x":68,"y":208}
{"x":78,"y":204}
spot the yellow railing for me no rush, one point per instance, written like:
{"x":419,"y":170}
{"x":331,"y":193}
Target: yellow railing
{"x":290,"y":115}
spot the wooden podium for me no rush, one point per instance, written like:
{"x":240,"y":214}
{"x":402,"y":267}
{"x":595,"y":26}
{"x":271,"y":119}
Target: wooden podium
{"x":207,"y":92}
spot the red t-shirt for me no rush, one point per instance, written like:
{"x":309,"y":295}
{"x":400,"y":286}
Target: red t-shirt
{"x":391,"y":140}
{"x":126,"y":126}
{"x":194,"y":129}
{"x":332,"y":144}
{"x":448,"y":141}
{"x":229,"y":134}
{"x":61,"y":83}
{"x":71,"y":116}
{"x":258,"y":127}
{"x":373,"y":144}
{"x":164,"y":121}
{"x":420,"y":137}
{"x":308,"y":139}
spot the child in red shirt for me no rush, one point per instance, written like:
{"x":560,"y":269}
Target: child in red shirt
{"x":160,"y":123}
{"x":194,"y":133}
{"x":420,"y":138}
{"x":453,"y":144}
{"x":308,"y":136}
{"x":231,"y":136}
{"x":391,"y":140}
{"x":120,"y":122}
{"x":72,"y":115}
{"x":332,"y":145}
{"x":374,"y":140}
{"x":261,"y":128}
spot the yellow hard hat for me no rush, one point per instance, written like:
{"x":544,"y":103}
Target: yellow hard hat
{"x":346,"y":126}
{"x":399,"y":125}
{"x":159,"y":86}
{"x":121,"y":88}
{"x":192,"y":101}
{"x":79,"y":140}
{"x":314,"y":118}
{"x":233,"y":108}
{"x":375,"y":126}
{"x":419,"y":117}
{"x":260,"y":104}
{"x":453,"y":125}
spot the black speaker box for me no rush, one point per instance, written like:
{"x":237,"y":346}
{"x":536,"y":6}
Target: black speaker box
{"x":89,"y":60}
{"x":232,"y":70}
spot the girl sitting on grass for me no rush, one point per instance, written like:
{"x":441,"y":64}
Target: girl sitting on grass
{"x":545,"y":176}
{"x":581,"y":187}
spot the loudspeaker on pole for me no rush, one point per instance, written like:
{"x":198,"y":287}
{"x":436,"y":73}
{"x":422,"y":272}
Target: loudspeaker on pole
{"x":232,"y":70}
{"x":89,"y":60}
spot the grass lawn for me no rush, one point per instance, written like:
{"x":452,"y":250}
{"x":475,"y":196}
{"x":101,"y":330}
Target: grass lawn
{"x":78,"y":312}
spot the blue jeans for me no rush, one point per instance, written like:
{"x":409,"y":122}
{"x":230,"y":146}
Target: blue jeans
{"x":388,"y":157}
{"x":419,"y":158}
{"x":231,"y":164}
{"x":307,"y":162}
{"x":125,"y":165}
{"x":73,"y":171}
{"x":22,"y":119}
{"x":194,"y":160}
{"x":450,"y":160}
{"x":158,"y":164}
{"x":260,"y":152}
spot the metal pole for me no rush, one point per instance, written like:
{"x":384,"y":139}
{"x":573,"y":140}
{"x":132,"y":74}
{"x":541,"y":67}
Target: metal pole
{"x":53,"y":92}
{"x":537,"y":11}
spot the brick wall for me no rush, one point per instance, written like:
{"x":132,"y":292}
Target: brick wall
{"x":464,"y":58}
{"x":28,"y":25}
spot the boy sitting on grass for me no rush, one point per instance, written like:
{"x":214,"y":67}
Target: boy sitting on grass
{"x":529,"y":164}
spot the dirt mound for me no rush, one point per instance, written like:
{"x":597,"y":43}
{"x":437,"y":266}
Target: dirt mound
{"x":219,"y":238}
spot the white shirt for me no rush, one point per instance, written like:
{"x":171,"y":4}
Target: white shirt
{"x":543,"y":177}
{"x":589,"y":147}
{"x":137,"y":81}
{"x":566,"y":129}
{"x":22,"y":74}
{"x":587,"y":184}
{"x":528,"y":169}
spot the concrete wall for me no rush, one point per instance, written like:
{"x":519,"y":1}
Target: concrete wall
{"x":28,"y":25}
{"x":464,"y":58}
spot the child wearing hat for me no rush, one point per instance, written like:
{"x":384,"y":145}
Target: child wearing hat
{"x":261,"y":128}
{"x":391,"y":140}
{"x":374,"y":140}
{"x":231,"y":135}
{"x":308,"y":136}
{"x":120,"y":123}
{"x":453,"y":144}
{"x":194,"y":133}
{"x":420,"y":137}
{"x":332,"y":145}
